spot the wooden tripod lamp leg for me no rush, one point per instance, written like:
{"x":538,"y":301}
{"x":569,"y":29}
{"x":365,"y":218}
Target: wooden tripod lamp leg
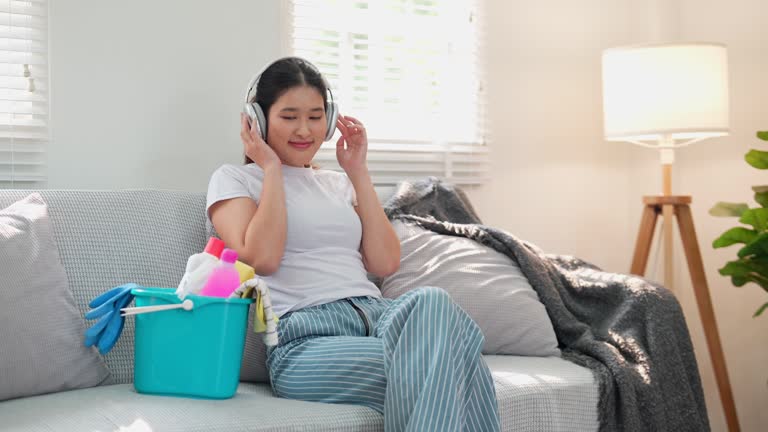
{"x":644,"y":239}
{"x":701,"y":290}
{"x":668,"y":213}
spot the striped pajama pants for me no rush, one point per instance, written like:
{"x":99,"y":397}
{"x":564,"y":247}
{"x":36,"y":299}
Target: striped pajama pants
{"x":416,"y":359}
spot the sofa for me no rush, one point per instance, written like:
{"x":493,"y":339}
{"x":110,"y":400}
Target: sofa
{"x":107,"y":238}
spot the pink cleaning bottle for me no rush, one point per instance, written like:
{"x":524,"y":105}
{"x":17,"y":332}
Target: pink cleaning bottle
{"x":224,"y":278}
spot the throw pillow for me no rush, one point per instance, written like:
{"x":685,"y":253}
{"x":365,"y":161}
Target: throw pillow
{"x":488,"y":285}
{"x":41,"y":330}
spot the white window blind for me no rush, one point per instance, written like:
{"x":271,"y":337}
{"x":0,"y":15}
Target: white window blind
{"x":24,"y":93}
{"x":410,"y":71}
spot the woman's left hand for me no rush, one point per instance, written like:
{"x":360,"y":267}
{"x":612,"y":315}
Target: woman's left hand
{"x":352,"y":157}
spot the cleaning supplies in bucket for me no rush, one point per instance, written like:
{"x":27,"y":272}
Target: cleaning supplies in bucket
{"x":169,"y":308}
{"x":199,"y":267}
{"x":224,"y":278}
{"x":195,"y":353}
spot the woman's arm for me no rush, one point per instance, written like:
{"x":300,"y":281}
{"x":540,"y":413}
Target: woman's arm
{"x":256,"y":232}
{"x":380,"y":246}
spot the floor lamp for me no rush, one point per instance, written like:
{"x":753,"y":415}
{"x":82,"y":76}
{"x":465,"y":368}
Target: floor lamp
{"x":666,"y":96}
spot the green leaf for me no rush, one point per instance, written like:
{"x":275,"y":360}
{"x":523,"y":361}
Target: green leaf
{"x":761,"y":196}
{"x":733,"y":236}
{"x":743,"y":279}
{"x":726,"y":209}
{"x":757,"y":248}
{"x":752,"y":270}
{"x":739,"y":281}
{"x":757,"y":217}
{"x":757,"y":158}
{"x":755,"y":268}
{"x":760,"y":310}
{"x":763,"y":135}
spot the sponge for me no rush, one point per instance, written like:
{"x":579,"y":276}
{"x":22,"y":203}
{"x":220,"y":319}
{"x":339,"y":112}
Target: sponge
{"x":246,"y":272}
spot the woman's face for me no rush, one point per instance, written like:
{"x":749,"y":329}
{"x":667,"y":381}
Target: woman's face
{"x":297,"y":125}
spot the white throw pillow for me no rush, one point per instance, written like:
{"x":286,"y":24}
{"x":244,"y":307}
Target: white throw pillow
{"x":41,"y":330}
{"x":488,"y":285}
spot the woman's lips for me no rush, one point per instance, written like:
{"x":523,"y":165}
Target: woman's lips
{"x":300,"y":145}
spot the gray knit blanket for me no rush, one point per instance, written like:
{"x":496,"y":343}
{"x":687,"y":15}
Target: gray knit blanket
{"x":629,"y":331}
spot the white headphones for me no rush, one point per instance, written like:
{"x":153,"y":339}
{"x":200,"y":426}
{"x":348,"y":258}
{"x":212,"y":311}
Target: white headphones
{"x":255,"y":113}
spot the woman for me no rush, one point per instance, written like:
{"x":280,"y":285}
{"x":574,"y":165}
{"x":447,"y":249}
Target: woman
{"x":313,"y":234}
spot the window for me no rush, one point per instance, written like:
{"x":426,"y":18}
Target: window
{"x":408,"y":69}
{"x":23,"y":93}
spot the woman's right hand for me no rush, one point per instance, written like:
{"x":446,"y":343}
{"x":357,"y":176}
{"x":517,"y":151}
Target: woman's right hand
{"x":254,"y":146}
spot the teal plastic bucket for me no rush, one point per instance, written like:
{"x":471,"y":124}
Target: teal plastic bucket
{"x":195,"y":353}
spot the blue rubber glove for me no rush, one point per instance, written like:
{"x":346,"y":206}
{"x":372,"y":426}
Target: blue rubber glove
{"x":106,"y":307}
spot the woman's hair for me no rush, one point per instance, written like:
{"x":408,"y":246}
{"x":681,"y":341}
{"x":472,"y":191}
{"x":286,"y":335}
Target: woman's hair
{"x":282,"y":75}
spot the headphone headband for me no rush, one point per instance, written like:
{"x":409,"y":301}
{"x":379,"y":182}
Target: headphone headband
{"x":255,"y":80}
{"x":255,"y":113}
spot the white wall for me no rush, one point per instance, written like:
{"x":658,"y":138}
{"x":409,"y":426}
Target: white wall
{"x":148,"y":93}
{"x":557,"y":183}
{"x":716,"y":171}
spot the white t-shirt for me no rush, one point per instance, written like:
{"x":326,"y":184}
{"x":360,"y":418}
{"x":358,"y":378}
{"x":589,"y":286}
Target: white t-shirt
{"x":322,"y":261}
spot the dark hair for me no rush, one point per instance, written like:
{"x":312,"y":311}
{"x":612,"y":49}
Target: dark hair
{"x":281,"y":76}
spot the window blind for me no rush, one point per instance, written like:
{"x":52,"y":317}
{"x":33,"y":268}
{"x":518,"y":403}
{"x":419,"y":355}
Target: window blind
{"x":410,"y":71}
{"x":24,"y":94}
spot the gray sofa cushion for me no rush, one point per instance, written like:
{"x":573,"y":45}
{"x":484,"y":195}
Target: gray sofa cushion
{"x":107,"y":238}
{"x":544,"y":394}
{"x":120,"y":408}
{"x":41,"y":330}
{"x":488,"y":285}
{"x":534,"y":394}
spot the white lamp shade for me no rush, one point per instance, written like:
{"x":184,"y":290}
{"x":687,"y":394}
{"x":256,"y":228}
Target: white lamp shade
{"x":680,"y":90}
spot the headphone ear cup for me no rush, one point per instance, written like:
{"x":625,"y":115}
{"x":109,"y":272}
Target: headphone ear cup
{"x":332,"y":114}
{"x":254,"y":112}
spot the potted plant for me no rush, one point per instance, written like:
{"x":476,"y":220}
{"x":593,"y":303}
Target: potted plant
{"x":752,"y":262}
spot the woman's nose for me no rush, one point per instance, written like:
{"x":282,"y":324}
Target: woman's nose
{"x":303,"y":129}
